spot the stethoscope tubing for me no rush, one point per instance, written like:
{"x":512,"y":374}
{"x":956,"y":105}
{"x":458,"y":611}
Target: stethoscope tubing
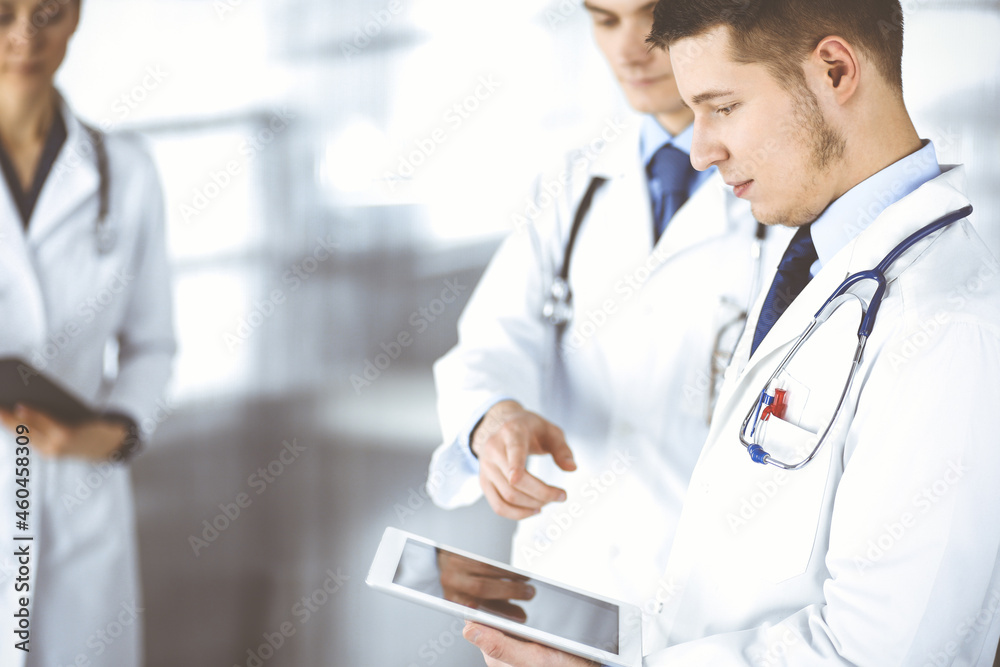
{"x":757,"y":453}
{"x":104,"y":234}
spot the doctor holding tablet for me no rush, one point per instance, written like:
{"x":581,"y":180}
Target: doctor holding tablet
{"x":579,"y":394}
{"x":839,"y":522}
{"x":84,"y":298}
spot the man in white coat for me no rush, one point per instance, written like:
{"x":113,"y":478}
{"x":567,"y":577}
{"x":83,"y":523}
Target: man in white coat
{"x":883,"y":548}
{"x":615,"y":402}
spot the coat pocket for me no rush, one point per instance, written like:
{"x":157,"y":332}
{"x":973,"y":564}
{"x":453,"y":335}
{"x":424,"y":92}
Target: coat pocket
{"x":791,"y":502}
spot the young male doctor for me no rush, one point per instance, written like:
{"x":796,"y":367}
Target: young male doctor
{"x":883,"y":548}
{"x":617,"y":398}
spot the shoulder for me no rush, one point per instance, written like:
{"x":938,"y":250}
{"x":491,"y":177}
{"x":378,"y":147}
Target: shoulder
{"x":608,"y":151}
{"x":958,"y":274}
{"x":130,"y":154}
{"x":949,"y":294}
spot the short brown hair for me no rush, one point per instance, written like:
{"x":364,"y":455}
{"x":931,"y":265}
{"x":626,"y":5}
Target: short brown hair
{"x":780,"y":34}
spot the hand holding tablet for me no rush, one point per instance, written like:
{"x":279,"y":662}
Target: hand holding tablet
{"x":22,"y":383}
{"x":508,"y":599}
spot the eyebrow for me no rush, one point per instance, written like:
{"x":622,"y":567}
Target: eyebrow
{"x":701,"y":98}
{"x":593,"y":8}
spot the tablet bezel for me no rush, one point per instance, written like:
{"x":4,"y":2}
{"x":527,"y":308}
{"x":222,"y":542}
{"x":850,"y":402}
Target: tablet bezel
{"x":386,"y":562}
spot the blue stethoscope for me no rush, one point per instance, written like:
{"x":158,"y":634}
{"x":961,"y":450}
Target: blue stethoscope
{"x":764,"y":404}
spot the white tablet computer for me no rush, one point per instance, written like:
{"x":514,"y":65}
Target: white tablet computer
{"x":508,"y":599}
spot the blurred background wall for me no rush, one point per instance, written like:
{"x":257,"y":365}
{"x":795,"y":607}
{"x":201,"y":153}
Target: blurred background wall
{"x":331,"y":166}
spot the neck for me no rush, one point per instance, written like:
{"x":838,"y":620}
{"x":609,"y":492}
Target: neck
{"x":887,"y":137}
{"x":26,"y":119}
{"x":675,"y":122}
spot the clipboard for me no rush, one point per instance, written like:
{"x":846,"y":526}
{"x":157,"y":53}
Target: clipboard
{"x":20,"y":382}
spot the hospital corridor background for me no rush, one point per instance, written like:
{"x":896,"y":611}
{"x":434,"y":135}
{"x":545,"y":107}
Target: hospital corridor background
{"x":337,"y":175}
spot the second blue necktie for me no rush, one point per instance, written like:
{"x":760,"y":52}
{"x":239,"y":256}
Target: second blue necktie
{"x":670,"y":177}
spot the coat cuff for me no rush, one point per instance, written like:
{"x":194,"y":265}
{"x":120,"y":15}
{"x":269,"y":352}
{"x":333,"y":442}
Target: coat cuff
{"x":132,"y":443}
{"x":465,"y":434}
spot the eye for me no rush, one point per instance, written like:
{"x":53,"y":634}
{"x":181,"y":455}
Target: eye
{"x":726,"y":110}
{"x":604,"y":21}
{"x":49,"y":12}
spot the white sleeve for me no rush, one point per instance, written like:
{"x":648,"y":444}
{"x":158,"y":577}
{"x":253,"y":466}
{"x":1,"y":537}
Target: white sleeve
{"x":502,"y":353}
{"x":915,"y":532}
{"x":453,"y":478}
{"x":146,"y":338}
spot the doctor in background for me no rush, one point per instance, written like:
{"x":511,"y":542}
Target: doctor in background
{"x":612,"y":405}
{"x":77,"y":283}
{"x":883,"y":548}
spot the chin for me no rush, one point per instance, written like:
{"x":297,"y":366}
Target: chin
{"x":768,"y":215}
{"x":639,"y":102}
{"x":784,"y":217}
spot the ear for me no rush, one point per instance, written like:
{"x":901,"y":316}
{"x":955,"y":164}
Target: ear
{"x":835,"y":63}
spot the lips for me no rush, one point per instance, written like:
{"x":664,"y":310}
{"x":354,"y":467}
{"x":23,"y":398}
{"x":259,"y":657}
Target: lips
{"x":648,"y":81}
{"x":740,"y":188}
{"x":26,"y":67}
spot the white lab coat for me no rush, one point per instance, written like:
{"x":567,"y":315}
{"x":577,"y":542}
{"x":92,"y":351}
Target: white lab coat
{"x":883,"y":550}
{"x":629,"y":381}
{"x":60,"y":303}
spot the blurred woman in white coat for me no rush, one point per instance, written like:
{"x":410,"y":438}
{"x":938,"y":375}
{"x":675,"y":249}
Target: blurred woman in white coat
{"x":84,"y":299}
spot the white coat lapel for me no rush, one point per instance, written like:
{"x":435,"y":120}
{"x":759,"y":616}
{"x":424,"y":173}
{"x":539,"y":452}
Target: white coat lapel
{"x":621,"y":224}
{"x":703,"y":217}
{"x":11,"y":228}
{"x":72,"y":182}
{"x":934,"y":199}
{"x":20,"y":291}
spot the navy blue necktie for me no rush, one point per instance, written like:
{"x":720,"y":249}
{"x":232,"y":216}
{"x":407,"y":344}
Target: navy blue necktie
{"x":670,"y":177}
{"x":789,"y":281}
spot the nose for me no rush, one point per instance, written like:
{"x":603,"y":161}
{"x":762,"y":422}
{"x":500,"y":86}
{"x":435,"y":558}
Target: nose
{"x":629,"y":47}
{"x":706,"y":148}
{"x":22,"y":34}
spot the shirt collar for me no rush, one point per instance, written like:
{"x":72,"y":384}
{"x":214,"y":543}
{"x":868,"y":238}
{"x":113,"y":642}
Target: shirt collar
{"x":652,"y":137}
{"x":857,"y":209}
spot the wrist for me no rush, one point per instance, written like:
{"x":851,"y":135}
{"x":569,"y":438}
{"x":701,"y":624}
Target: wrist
{"x":129,"y":442}
{"x":490,"y":423}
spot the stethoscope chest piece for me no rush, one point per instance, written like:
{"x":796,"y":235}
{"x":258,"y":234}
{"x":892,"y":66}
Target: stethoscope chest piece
{"x":557,"y":309}
{"x":106,"y":237}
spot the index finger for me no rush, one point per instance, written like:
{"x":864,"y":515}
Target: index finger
{"x":535,"y":488}
{"x":516,"y":447}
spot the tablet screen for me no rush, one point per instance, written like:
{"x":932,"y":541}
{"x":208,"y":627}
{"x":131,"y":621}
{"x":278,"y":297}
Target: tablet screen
{"x":532,"y":603}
